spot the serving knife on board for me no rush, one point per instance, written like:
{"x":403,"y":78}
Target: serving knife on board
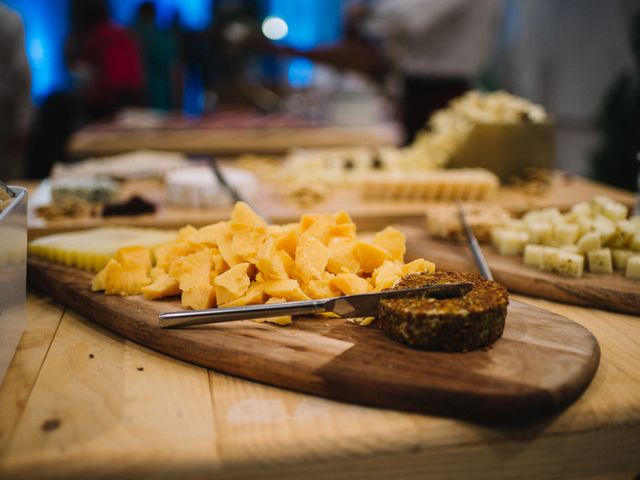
{"x":476,"y":251}
{"x":349,"y":306}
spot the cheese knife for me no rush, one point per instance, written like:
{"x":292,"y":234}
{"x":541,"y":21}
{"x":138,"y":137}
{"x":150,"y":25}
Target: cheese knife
{"x":349,"y":306}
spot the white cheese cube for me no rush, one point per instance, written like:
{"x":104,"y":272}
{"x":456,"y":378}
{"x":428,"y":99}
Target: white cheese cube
{"x":615,"y":211}
{"x":565,"y":234}
{"x":572,"y":248}
{"x":606,"y":228}
{"x":620,"y":257}
{"x":635,"y":243}
{"x":549,"y":259}
{"x":633,"y":267}
{"x":510,"y":242}
{"x":585,"y":224}
{"x":589,"y":241}
{"x":515,"y":224}
{"x":625,"y":232}
{"x":635,"y":219}
{"x":533,"y":255}
{"x":540,"y":233}
{"x":599,"y":203}
{"x":600,"y":261}
{"x":569,"y":264}
{"x":581,"y":209}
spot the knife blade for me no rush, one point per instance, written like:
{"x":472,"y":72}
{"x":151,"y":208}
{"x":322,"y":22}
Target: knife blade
{"x":349,"y":306}
{"x":472,"y":241}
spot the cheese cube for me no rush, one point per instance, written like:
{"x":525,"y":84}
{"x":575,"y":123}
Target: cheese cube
{"x":514,"y":224}
{"x":510,"y":242}
{"x":533,"y":255}
{"x":540,"y":233}
{"x":581,"y":209}
{"x":635,"y":243}
{"x":549,"y":259}
{"x":620,"y":257}
{"x":570,"y":248}
{"x":635,"y":219}
{"x":606,"y":228}
{"x":599,"y":203}
{"x":625,"y":232}
{"x":615,"y":211}
{"x":589,"y":242}
{"x":585,"y":224}
{"x":569,"y":264}
{"x":600,"y":261}
{"x":565,"y":234}
{"x":633,"y":267}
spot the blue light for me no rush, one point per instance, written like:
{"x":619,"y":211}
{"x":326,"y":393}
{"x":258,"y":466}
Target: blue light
{"x":300,"y":72}
{"x":46,"y":24}
{"x":311,"y":23}
{"x":194,"y":14}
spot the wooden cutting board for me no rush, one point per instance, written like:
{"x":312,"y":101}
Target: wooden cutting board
{"x":543,"y":361}
{"x":611,"y":292}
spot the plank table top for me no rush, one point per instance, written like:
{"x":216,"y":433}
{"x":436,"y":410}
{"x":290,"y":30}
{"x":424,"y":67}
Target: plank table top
{"x":81,"y":402}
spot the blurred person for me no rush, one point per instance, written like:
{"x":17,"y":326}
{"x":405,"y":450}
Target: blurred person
{"x":436,"y":48}
{"x":432,"y":48}
{"x":159,"y":49}
{"x":106,"y":58}
{"x":565,"y":55}
{"x":616,"y":160}
{"x":105,"y":64}
{"x":15,"y":101}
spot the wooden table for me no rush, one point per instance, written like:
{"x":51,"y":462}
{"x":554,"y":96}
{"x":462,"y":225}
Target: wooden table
{"x":230,"y":141}
{"x":80,"y":402}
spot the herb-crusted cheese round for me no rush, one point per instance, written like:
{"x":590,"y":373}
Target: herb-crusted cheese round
{"x":458,"y":324}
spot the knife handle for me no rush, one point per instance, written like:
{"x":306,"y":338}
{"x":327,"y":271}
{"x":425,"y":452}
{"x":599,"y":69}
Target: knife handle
{"x":219,"y":315}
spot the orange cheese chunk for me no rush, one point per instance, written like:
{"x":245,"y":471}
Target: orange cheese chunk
{"x":343,"y":257}
{"x":185,"y":233}
{"x":319,"y":229}
{"x":288,"y":289}
{"x":163,"y":286}
{"x":247,"y":241}
{"x":311,"y":258}
{"x":125,"y":279}
{"x":281,"y":320}
{"x":192,"y":270}
{"x":233,"y":283}
{"x":100,"y":279}
{"x":371,"y":256}
{"x":135,"y":255}
{"x":322,"y":287}
{"x":418,"y":266}
{"x":243,"y":215}
{"x":351,"y":284}
{"x":253,"y":296}
{"x":342,"y":217}
{"x":385,"y":276}
{"x":270,"y":262}
{"x":199,"y":297}
{"x":210,"y":234}
{"x":393,"y":241}
{"x":287,"y":241}
{"x":166,"y":254}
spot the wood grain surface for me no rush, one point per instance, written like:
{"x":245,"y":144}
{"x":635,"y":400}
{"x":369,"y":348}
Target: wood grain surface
{"x":542,"y":363}
{"x":230,"y":141}
{"x":611,"y":292}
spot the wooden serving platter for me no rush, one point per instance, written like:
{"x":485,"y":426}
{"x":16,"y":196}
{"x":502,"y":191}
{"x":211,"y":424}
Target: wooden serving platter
{"x":542,"y":363}
{"x":611,"y":292}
